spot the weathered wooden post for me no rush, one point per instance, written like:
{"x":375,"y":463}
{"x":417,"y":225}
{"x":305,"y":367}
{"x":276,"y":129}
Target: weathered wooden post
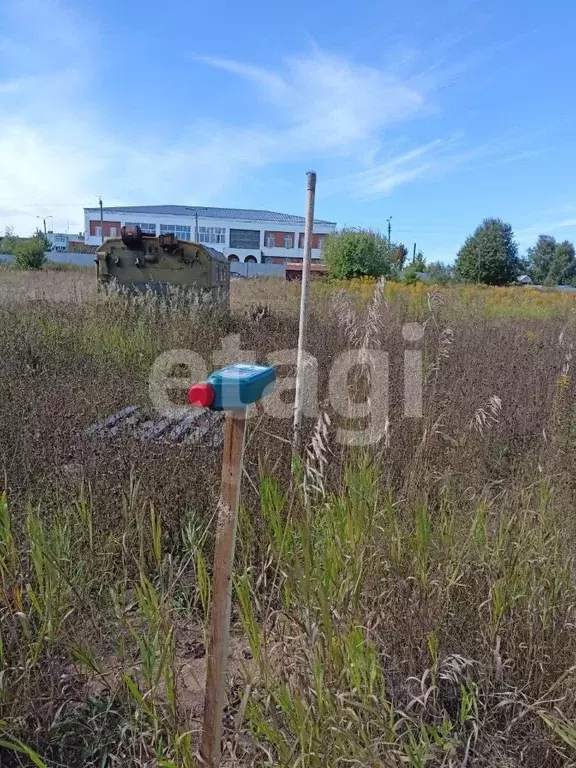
{"x":231,"y":389}
{"x":300,"y":361}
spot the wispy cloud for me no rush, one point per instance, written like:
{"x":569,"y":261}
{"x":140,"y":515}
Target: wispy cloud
{"x":430,"y":160}
{"x":382,"y":177}
{"x":318,"y":107}
{"x":54,"y":161}
{"x":58,"y":153}
{"x":340,"y":109}
{"x":329,"y":103}
{"x":274,"y":84}
{"x":555,"y":227}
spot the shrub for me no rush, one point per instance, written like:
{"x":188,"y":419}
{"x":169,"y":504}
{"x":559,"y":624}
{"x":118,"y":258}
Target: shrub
{"x":359,"y":253}
{"x":411,"y":274}
{"x":440,"y":273}
{"x":29,"y":254}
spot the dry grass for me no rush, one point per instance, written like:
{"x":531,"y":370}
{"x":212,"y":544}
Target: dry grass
{"x":65,"y":285}
{"x":411,"y":603}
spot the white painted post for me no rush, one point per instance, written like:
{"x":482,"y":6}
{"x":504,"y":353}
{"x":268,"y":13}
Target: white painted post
{"x":299,"y":397}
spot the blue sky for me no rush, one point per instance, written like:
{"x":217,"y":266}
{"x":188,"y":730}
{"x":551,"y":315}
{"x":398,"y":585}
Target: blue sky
{"x":435,"y":113}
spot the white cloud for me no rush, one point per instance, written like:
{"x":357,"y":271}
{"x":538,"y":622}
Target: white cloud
{"x":59,"y":168}
{"x":334,"y":108}
{"x":526,"y":236}
{"x":433,"y":159}
{"x":58,"y":153}
{"x":381,"y":178}
{"x":329,"y":103}
{"x":274,"y":84}
{"x":55,"y":161}
{"x":11,"y":86}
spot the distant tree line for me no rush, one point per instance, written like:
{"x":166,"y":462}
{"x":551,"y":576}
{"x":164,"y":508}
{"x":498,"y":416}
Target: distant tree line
{"x":490,"y":255}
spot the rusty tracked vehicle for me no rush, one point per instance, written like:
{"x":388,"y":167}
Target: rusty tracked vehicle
{"x":140,"y":262}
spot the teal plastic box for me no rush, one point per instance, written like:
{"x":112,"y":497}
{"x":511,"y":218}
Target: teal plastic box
{"x":233,"y":388}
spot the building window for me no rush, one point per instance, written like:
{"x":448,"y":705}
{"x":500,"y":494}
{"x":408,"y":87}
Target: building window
{"x":245,"y":238}
{"x":98,"y":231}
{"x":216,"y":235}
{"x":288,"y":241}
{"x":179,"y":230}
{"x":113,"y":232}
{"x":317,"y":241}
{"x":147,"y":229}
{"x":270,"y":241}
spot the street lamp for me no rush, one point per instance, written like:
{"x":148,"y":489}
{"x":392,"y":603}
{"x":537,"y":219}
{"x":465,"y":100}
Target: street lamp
{"x":44,"y":220}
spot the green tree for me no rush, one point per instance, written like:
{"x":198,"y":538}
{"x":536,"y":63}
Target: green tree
{"x":440,"y":273}
{"x":540,"y":258}
{"x":42,"y":239}
{"x":490,"y":255}
{"x":29,"y":254}
{"x":552,"y":263}
{"x":419,"y":257}
{"x":416,"y":266}
{"x":563,"y":267}
{"x":8,"y":242}
{"x":357,"y":252}
{"x":419,"y":263}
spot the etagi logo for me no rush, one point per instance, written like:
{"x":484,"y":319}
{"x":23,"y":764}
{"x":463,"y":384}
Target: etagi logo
{"x":366,"y":371}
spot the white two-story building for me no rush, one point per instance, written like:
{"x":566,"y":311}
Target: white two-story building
{"x":242,"y":235}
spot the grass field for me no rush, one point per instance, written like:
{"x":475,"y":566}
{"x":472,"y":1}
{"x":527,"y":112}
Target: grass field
{"x":407,"y":603}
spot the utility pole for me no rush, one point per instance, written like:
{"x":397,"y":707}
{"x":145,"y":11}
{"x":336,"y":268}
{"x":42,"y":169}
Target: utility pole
{"x":309,"y":228}
{"x":196,"y":235}
{"x":101,"y":220}
{"x":389,"y":230}
{"x":414,"y":254}
{"x":44,"y":221}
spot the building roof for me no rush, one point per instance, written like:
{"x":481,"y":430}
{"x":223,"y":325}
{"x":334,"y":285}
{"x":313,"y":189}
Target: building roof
{"x":237,"y":214}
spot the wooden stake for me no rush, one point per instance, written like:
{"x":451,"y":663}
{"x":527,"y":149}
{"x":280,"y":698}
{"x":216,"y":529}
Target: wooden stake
{"x":309,"y":230}
{"x":235,"y":431}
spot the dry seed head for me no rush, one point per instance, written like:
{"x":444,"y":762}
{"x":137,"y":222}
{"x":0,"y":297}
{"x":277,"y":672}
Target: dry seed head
{"x":317,"y":457}
{"x":434,"y":301}
{"x":347,"y":316}
{"x":487,"y":415}
{"x":373,"y":323}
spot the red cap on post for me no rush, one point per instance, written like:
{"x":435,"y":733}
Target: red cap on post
{"x":201,"y":395}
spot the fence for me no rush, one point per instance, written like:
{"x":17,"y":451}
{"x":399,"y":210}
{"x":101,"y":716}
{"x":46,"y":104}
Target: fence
{"x":243,"y":269}
{"x":254,"y":269}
